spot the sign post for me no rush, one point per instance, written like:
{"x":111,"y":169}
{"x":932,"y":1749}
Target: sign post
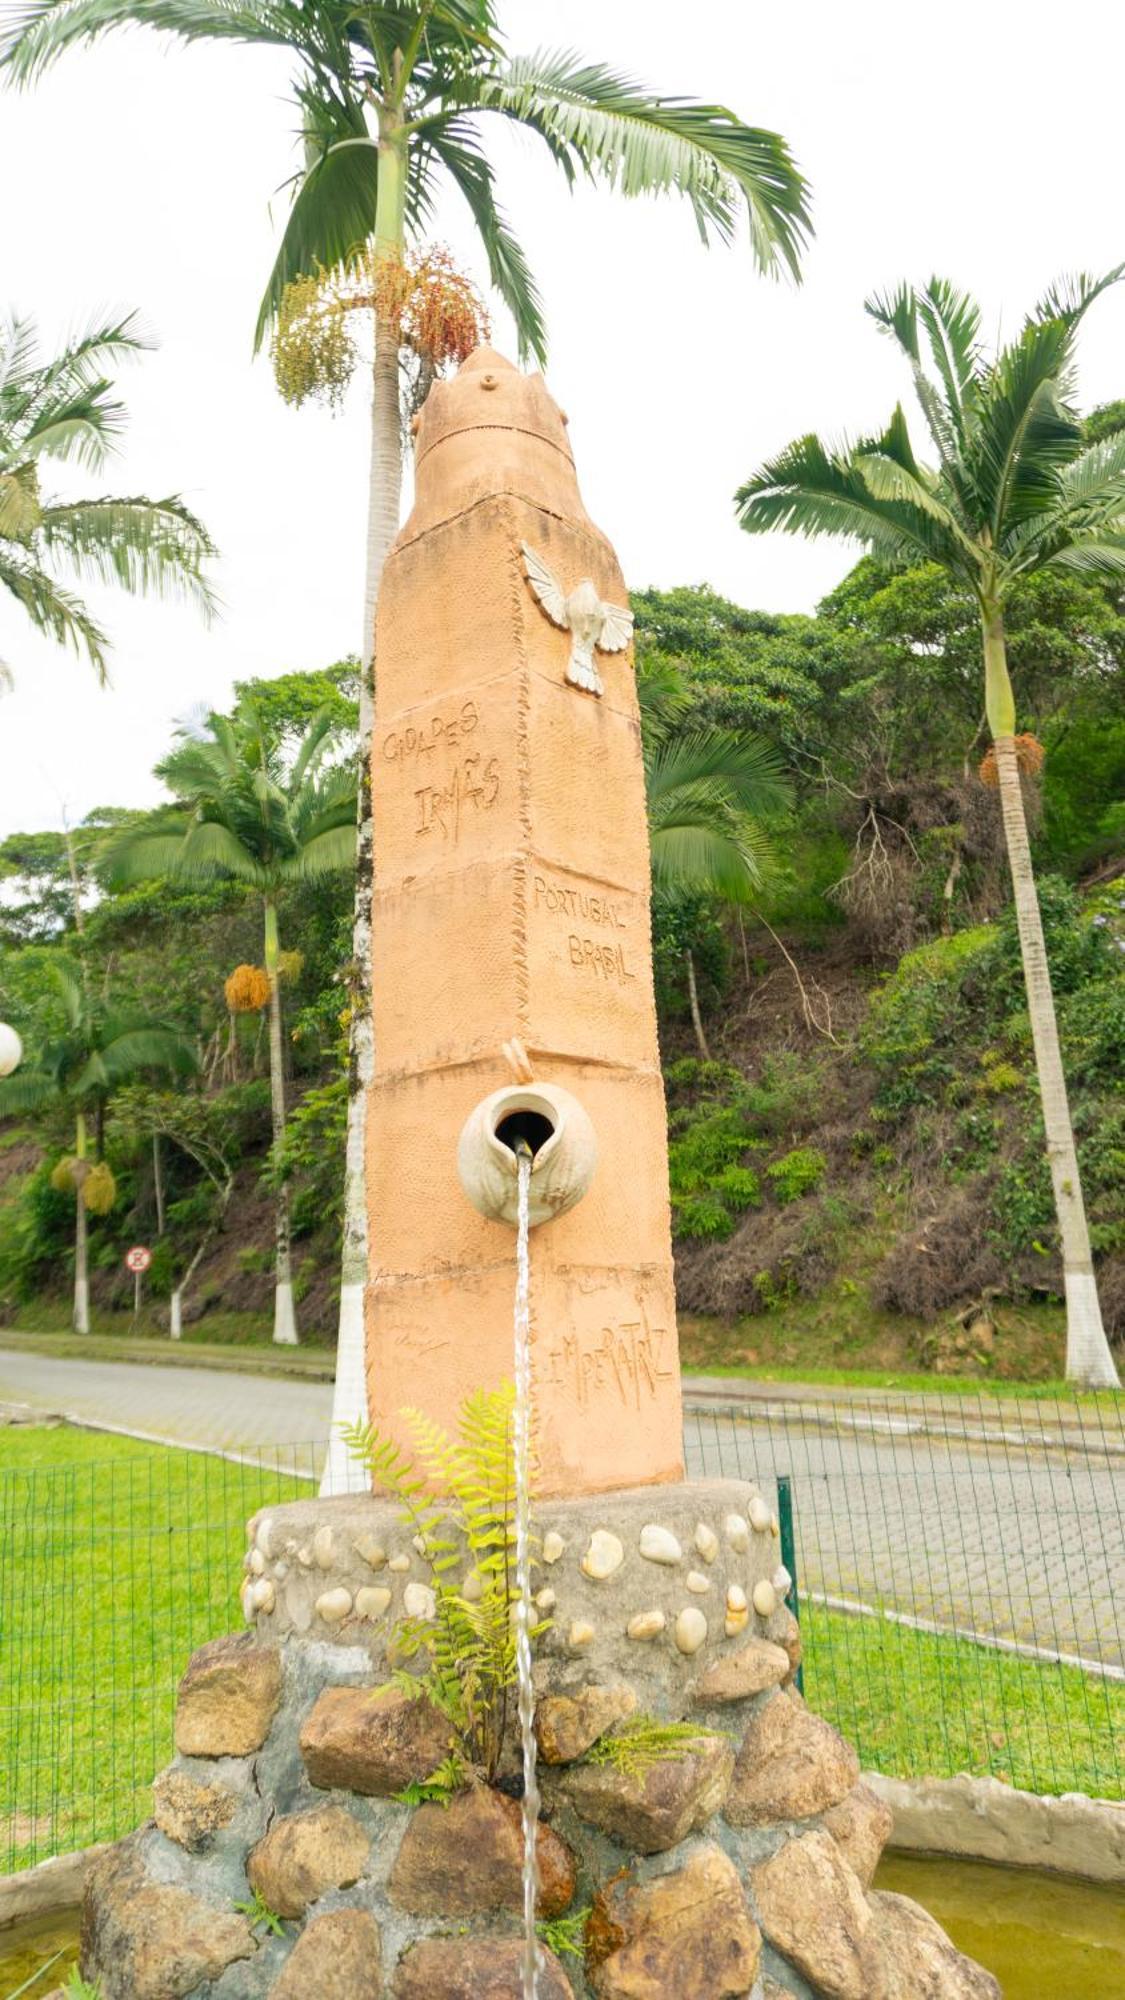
{"x":137,"y":1260}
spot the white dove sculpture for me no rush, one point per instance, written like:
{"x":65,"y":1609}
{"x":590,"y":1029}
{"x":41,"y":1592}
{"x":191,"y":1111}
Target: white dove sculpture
{"x":589,"y":620}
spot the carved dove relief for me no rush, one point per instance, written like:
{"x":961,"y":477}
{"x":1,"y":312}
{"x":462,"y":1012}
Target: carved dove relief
{"x":590,"y":621}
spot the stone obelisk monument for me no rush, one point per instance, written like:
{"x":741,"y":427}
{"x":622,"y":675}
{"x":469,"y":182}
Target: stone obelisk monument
{"x":512,"y":956}
{"x":512,"y":901}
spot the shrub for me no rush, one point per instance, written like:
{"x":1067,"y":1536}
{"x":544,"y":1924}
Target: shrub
{"x":797,"y":1172}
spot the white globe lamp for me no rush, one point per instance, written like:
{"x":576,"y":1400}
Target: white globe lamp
{"x":11,"y":1049}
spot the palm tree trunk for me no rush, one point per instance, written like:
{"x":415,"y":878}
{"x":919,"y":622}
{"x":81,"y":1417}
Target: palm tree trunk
{"x":81,"y":1314}
{"x":342,"y":1474}
{"x":1088,"y":1359}
{"x":158,"y":1182}
{"x":696,"y":1016}
{"x":284,"y":1316}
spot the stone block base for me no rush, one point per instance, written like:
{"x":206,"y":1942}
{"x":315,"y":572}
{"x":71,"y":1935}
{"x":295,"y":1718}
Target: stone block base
{"x":727,"y":1858}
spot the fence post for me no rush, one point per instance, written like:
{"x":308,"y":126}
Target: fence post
{"x":789,"y":1554}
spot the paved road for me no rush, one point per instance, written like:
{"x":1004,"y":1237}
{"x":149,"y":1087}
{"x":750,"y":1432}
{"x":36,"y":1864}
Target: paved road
{"x":1027,"y":1546}
{"x":1023,"y":1545}
{"x":227,"y":1412}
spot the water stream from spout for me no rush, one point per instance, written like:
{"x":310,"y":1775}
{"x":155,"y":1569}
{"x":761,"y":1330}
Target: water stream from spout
{"x":532,"y":1957}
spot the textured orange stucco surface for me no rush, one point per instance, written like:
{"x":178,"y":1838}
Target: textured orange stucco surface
{"x":512,"y":899}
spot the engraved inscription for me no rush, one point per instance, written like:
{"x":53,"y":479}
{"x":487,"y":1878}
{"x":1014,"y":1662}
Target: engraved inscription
{"x":399,"y":746}
{"x":629,"y":1360}
{"x":605,"y":961}
{"x":474,"y":788}
{"x":593,"y":908}
{"x":586,"y":905}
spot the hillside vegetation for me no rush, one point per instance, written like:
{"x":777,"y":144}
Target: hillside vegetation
{"x":855,"y":1140}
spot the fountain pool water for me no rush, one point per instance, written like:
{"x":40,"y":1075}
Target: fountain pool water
{"x":1041,"y":1935}
{"x":532,"y":1957}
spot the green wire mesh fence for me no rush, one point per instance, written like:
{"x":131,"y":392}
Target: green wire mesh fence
{"x":960,"y":1567}
{"x":960,"y":1570}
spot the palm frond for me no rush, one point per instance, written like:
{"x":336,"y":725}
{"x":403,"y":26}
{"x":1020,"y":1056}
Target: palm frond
{"x":698,"y":857}
{"x":897,"y":314}
{"x":809,"y":489}
{"x":1102,"y":555}
{"x":27,"y":1091}
{"x":330,"y":851}
{"x":1024,"y":435}
{"x":951,"y":320}
{"x":642,"y":144}
{"x":156,"y":547}
{"x":333,"y":211}
{"x":455,"y":146}
{"x":54,"y":610}
{"x":146,"y":1047}
{"x":39,"y":33}
{"x":1069,"y":299}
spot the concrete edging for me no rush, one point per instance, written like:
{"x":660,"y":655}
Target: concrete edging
{"x":981,"y":1819}
{"x":47,"y":1889}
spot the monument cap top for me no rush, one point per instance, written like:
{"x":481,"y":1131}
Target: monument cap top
{"x":528,"y":450}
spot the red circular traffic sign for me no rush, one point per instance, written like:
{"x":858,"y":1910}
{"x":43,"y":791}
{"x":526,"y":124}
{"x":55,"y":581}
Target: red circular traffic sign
{"x":138,"y":1258}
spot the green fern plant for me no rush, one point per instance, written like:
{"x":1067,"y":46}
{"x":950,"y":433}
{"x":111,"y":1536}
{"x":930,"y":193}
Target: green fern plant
{"x":441,"y":1785}
{"x":458,"y":1499}
{"x":565,"y":1936}
{"x":260,"y":1915}
{"x":642,"y":1741}
{"x":77,"y":1988}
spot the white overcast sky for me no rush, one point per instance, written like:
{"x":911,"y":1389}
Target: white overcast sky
{"x":980,"y":138}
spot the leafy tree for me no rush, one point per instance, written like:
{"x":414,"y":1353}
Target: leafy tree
{"x":40,"y":900}
{"x":246,"y":814}
{"x":285,"y":704}
{"x":710,"y":795}
{"x":64,"y":409}
{"x":76,"y":1071}
{"x":394,"y":101}
{"x":1017,"y":488}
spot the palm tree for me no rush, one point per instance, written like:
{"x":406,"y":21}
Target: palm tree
{"x":246,"y":815}
{"x":77,"y":1071}
{"x":65,"y":409}
{"x":710,"y":795}
{"x":1016,"y":487}
{"x":393,"y":101}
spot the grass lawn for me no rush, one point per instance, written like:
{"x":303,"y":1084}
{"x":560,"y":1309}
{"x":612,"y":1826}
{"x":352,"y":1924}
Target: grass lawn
{"x":117,"y":1559}
{"x":918,"y":1705}
{"x":912,"y":1384}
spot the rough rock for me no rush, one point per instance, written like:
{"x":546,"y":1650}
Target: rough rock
{"x":791,"y":1765}
{"x":337,"y":1957}
{"x":812,"y":1908}
{"x":148,"y":1940}
{"x":228,"y":1697}
{"x":188,"y":1810}
{"x":655,"y":1807}
{"x":921,"y":1962}
{"x":568,"y":1725}
{"x":466,"y":1859}
{"x":754,"y":1668}
{"x":785,"y":1631}
{"x":474,"y":1969}
{"x":861,"y":1827}
{"x":306,"y":1853}
{"x":357,"y":1741}
{"x":688,"y":1934}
